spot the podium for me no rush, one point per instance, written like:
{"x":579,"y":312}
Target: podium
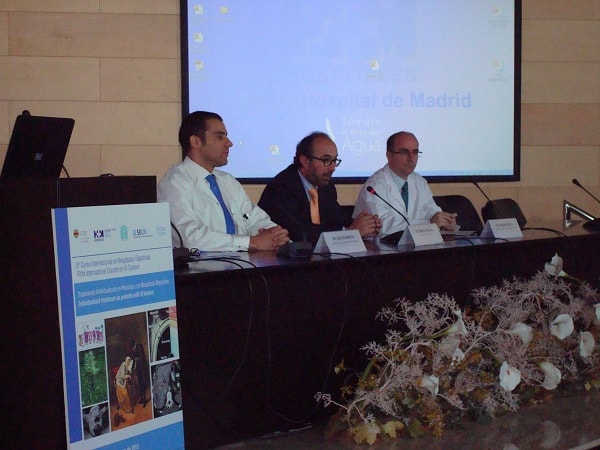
{"x":31,"y":334}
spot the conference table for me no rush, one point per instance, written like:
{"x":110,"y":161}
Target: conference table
{"x":260,"y":335}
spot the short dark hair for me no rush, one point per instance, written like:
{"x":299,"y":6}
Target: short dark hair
{"x":194,"y":124}
{"x":305,"y":146}
{"x":392,"y":138}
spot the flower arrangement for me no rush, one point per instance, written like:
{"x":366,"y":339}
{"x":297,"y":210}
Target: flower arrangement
{"x":439,"y":365}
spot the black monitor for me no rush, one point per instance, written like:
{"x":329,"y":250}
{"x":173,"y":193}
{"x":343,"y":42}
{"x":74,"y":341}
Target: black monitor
{"x":37,"y":147}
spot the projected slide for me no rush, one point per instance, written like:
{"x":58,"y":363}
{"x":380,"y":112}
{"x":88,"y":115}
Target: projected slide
{"x":360,"y":71}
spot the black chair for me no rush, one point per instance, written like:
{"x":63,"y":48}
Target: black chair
{"x":468,"y":218}
{"x":503,"y":208}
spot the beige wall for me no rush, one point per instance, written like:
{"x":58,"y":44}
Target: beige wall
{"x":114,"y":66}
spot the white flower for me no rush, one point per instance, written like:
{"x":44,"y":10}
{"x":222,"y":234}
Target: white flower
{"x":586,"y":343}
{"x":597,"y":306}
{"x":457,"y":327}
{"x":523,"y":331}
{"x":458,"y":355}
{"x":510,"y":377}
{"x":449,"y":347}
{"x":431,"y":383}
{"x":554,"y":267}
{"x":552,"y":375}
{"x":562,"y":326}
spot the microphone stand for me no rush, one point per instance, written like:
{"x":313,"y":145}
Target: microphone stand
{"x":594,"y":224}
{"x":393,"y":238}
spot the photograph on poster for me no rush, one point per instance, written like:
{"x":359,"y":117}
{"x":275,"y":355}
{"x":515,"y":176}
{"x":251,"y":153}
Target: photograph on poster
{"x":92,"y":373}
{"x":166,"y":388}
{"x":95,"y":420}
{"x":164,"y":342}
{"x":127,"y":341}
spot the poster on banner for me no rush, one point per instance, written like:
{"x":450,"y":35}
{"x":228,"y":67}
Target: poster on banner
{"x":118,"y":322}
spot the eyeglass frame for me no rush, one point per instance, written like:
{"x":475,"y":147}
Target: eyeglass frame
{"x":405,"y":152}
{"x":327,"y":161}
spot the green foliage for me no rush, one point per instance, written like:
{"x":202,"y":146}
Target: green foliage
{"x":92,"y":371}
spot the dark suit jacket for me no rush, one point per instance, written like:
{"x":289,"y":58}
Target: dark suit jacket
{"x":285,"y":200}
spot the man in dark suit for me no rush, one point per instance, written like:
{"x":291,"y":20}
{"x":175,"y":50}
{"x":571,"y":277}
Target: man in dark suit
{"x":290,"y":198}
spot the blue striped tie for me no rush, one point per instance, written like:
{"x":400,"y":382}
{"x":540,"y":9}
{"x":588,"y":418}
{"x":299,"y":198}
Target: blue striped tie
{"x":214,"y":187}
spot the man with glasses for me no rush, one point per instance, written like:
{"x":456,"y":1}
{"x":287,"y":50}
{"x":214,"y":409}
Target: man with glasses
{"x":209,"y":208}
{"x":303,"y":199}
{"x":403,"y":188}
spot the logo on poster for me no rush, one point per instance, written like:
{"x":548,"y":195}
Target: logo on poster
{"x":124,"y":234}
{"x":139,"y":232}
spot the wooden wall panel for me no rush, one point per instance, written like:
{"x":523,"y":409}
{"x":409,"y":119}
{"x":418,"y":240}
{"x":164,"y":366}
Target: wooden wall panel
{"x":557,"y":166}
{"x":114,"y":66}
{"x":114,"y":123}
{"x":44,"y":6}
{"x":3,"y":33}
{"x":560,"y":124}
{"x":83,"y":160}
{"x":562,"y":82}
{"x":133,"y":160}
{"x":140,"y":6}
{"x":94,"y":35}
{"x":35,"y":78}
{"x":6,"y":124}
{"x":561,"y":9}
{"x":561,"y":40}
{"x":142,"y":80}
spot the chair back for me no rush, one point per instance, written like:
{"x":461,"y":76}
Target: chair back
{"x":467,"y":218}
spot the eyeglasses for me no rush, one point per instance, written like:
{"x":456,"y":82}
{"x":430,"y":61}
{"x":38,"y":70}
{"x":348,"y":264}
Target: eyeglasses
{"x":405,"y":152}
{"x":327,"y":161}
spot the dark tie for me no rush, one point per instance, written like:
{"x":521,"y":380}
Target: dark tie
{"x":214,"y":187}
{"x":404,"y":192}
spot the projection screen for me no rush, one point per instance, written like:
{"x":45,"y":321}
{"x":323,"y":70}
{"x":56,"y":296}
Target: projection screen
{"x":448,"y":71}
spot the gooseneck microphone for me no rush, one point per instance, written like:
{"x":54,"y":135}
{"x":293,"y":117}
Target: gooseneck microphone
{"x":592,"y":225}
{"x":370,"y":190}
{"x":502,"y":208}
{"x":180,"y":254}
{"x":578,"y":184}
{"x":481,"y":190}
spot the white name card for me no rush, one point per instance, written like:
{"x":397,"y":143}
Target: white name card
{"x":345,"y":241}
{"x":502,"y":229}
{"x":425,"y":234}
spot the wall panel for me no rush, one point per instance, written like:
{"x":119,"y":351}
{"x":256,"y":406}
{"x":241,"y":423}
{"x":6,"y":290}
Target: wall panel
{"x":137,"y":79}
{"x":108,"y":35}
{"x":64,"y":79}
{"x":114,"y":66}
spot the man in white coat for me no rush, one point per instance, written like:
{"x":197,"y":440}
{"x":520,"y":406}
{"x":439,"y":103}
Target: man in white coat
{"x":403,"y":188}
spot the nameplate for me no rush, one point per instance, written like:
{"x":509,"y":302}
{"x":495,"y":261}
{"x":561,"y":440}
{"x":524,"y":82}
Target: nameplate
{"x":502,"y":229}
{"x":425,"y":234}
{"x":345,"y":241}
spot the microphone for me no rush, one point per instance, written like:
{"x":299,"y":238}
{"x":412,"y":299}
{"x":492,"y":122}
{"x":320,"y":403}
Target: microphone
{"x":592,"y":225}
{"x":370,"y":190}
{"x":503,"y":208}
{"x":180,"y":254}
{"x":393,"y":238}
{"x":481,"y":190}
